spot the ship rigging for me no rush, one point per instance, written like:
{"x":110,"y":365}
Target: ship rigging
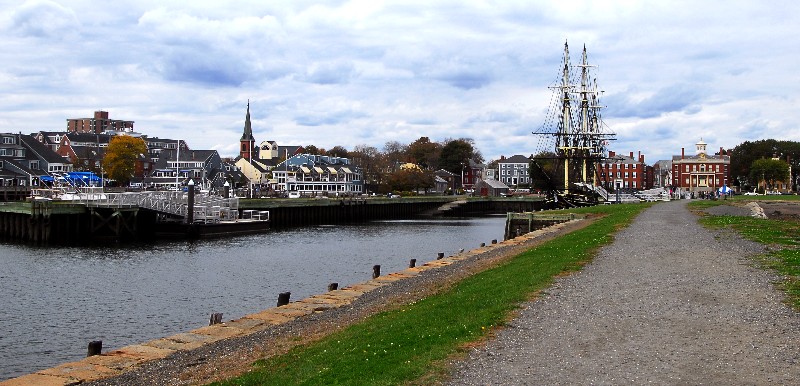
{"x":575,"y":135}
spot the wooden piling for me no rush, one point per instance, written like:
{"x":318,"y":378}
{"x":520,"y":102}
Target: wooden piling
{"x":283,"y":298}
{"x":333,"y":286}
{"x":412,"y":263}
{"x":483,"y":245}
{"x":216,"y":318}
{"x":494,"y":241}
{"x":376,"y":271}
{"x":95,"y":348}
{"x":440,"y":256}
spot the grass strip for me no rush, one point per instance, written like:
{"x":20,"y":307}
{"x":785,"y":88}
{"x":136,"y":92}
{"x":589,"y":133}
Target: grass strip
{"x":780,"y":236}
{"x":409,"y":345}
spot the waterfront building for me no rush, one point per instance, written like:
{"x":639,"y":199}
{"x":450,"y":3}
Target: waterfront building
{"x":313,"y":175}
{"x":444,"y":180}
{"x":490,"y":188}
{"x":624,"y":172}
{"x":173,"y":170}
{"x":701,"y":172}
{"x":514,"y":171}
{"x":472,"y":173}
{"x":97,"y":124}
{"x":24,"y":160}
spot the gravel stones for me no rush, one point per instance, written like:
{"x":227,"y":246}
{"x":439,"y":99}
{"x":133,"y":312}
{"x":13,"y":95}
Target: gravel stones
{"x":666,"y":303}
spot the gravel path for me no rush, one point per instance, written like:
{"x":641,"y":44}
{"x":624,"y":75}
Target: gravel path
{"x":668,"y":302}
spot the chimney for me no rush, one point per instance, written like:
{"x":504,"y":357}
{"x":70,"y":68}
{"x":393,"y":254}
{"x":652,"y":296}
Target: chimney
{"x":721,"y":151}
{"x":611,"y":154}
{"x":641,"y":158}
{"x":502,"y":158}
{"x":632,"y":155}
{"x":683,"y":153}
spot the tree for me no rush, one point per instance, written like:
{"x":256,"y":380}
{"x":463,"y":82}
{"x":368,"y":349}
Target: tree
{"x":744,"y":154}
{"x":543,"y":170}
{"x":770,"y":171}
{"x":425,"y":153}
{"x":338,"y":151}
{"x":456,"y":154}
{"x":121,"y":155}
{"x":410,"y":179}
{"x":311,"y":149}
{"x":370,"y":161}
{"x":395,"y":153}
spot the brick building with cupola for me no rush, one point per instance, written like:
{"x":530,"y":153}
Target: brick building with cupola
{"x":701,"y":172}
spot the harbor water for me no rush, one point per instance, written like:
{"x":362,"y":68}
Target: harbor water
{"x":55,"y":300}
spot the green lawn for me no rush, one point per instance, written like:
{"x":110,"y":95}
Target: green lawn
{"x":411,"y":344}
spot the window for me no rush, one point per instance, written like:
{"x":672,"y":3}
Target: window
{"x":34,"y":165}
{"x":8,"y":140}
{"x":634,"y":176}
{"x":687,"y":169}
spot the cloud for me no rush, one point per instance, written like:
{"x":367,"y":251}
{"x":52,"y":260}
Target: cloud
{"x":43,"y":19}
{"x":332,"y":118}
{"x":331,"y":72}
{"x":682,"y":98}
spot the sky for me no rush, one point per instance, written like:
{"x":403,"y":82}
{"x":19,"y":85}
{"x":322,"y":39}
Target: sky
{"x":351,"y":73}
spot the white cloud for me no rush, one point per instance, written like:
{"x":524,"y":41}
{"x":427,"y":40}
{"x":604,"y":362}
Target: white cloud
{"x":367,"y":72}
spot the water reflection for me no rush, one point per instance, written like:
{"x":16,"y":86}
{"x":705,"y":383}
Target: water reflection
{"x":56,"y":300}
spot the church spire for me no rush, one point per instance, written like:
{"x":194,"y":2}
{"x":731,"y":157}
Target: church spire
{"x":247,"y":143}
{"x":248,"y":130}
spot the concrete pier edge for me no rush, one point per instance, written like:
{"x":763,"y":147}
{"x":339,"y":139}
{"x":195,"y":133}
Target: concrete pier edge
{"x":127,"y":358}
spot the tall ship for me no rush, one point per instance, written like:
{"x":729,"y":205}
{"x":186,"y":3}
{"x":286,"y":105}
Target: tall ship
{"x":573,"y":138}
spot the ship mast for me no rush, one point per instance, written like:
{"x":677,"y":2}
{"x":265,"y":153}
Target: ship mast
{"x":579,"y":138}
{"x":564,"y":137}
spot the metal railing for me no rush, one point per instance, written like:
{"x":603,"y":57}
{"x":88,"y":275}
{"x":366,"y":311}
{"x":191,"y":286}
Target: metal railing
{"x":207,"y":208}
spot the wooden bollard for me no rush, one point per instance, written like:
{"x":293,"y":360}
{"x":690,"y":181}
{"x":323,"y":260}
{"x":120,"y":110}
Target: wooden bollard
{"x":333,"y":286}
{"x":95,"y":347}
{"x":494,"y":241}
{"x":216,"y":318}
{"x":283,"y":298}
{"x":483,"y":245}
{"x":440,"y":256}
{"x":412,"y":263}
{"x":376,"y":271}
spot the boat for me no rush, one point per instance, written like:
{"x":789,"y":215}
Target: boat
{"x":574,"y":137}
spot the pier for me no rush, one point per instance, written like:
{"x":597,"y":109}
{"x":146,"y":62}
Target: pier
{"x":121,"y":217}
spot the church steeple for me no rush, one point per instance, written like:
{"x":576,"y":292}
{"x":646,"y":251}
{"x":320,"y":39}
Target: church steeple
{"x":247,"y":141}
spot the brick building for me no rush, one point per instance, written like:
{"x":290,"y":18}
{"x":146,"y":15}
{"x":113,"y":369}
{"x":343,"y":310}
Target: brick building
{"x":97,"y":124}
{"x":619,"y":171}
{"x":702,"y":172}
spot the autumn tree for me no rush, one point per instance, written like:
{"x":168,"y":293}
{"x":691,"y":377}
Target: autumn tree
{"x":370,"y":160}
{"x":121,"y":155}
{"x":395,"y":153}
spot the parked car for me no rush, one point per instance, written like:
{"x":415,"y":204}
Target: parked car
{"x":294,"y":194}
{"x":750,"y":194}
